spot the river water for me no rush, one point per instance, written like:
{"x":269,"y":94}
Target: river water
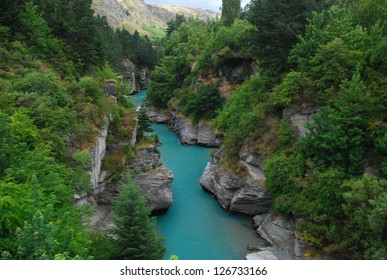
{"x":196,"y":227}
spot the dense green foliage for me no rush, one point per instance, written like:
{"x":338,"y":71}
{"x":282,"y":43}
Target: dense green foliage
{"x":69,"y":36}
{"x":312,"y":55}
{"x":203,"y":103}
{"x":53,"y":63}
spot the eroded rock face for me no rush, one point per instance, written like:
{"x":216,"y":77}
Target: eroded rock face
{"x":251,"y":158}
{"x":280,"y":233}
{"x":155,"y":185}
{"x":154,"y":179}
{"x":240,"y":195}
{"x":206,"y":137}
{"x":246,"y":195}
{"x":187,"y":131}
{"x":251,"y":199}
{"x":97,"y":153}
{"x":193,"y":134}
{"x":157,"y":115}
{"x":276,"y":230}
{"x":261,"y":255}
{"x":299,"y":117}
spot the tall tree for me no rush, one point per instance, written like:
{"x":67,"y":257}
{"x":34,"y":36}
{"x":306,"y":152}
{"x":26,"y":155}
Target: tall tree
{"x":279,"y":23}
{"x":174,"y":24}
{"x":134,"y":235}
{"x":144,"y":124}
{"x":231,"y":10}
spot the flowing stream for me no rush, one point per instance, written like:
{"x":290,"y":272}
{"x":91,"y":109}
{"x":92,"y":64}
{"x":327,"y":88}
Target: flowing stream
{"x":196,"y":227}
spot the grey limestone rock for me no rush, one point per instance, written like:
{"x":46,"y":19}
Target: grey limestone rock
{"x":276,"y":230}
{"x":154,"y":179}
{"x":251,"y":199}
{"x":299,"y":117}
{"x":206,"y":136}
{"x":225,"y":186}
{"x":251,"y":158}
{"x":258,"y":219}
{"x":190,"y":133}
{"x":280,"y":233}
{"x":157,"y":115}
{"x":240,"y":195}
{"x":187,"y":131}
{"x":110,"y":88}
{"x":261,"y":255}
{"x":206,"y":180}
{"x":155,"y":185}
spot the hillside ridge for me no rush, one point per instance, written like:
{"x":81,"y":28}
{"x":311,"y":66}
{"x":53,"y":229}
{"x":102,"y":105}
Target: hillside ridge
{"x":147,"y":19}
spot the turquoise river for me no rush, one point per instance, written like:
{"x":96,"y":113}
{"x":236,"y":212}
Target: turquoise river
{"x":196,"y":227}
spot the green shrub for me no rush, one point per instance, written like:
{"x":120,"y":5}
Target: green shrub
{"x":281,"y":173}
{"x":203,"y":104}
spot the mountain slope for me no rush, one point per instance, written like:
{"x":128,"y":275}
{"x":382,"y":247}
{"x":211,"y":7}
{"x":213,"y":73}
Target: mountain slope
{"x":149,"y":20}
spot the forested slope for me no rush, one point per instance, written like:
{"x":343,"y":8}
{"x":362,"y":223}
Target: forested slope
{"x":54,"y":60}
{"x":329,"y":59}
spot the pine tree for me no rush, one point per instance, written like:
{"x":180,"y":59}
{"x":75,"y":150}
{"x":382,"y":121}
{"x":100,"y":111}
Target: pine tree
{"x":144,"y":124}
{"x":134,"y":236}
{"x":174,"y":24}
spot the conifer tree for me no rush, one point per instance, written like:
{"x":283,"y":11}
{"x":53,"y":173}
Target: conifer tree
{"x":134,"y":236}
{"x":144,"y":124}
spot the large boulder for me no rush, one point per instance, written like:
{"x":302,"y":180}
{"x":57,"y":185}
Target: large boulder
{"x":252,"y":158}
{"x":155,"y":185}
{"x":110,"y":88}
{"x":206,"y":180}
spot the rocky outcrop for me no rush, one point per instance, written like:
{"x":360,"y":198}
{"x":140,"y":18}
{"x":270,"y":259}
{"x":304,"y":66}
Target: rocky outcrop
{"x":97,"y":153}
{"x":157,"y":115}
{"x":299,"y":117}
{"x":129,"y":74}
{"x":251,"y":158}
{"x":245,"y":195}
{"x":154,"y":179}
{"x":144,"y":80}
{"x":226,"y":76}
{"x":279,"y":232}
{"x":206,"y":136}
{"x":193,"y":134}
{"x":110,"y":89}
